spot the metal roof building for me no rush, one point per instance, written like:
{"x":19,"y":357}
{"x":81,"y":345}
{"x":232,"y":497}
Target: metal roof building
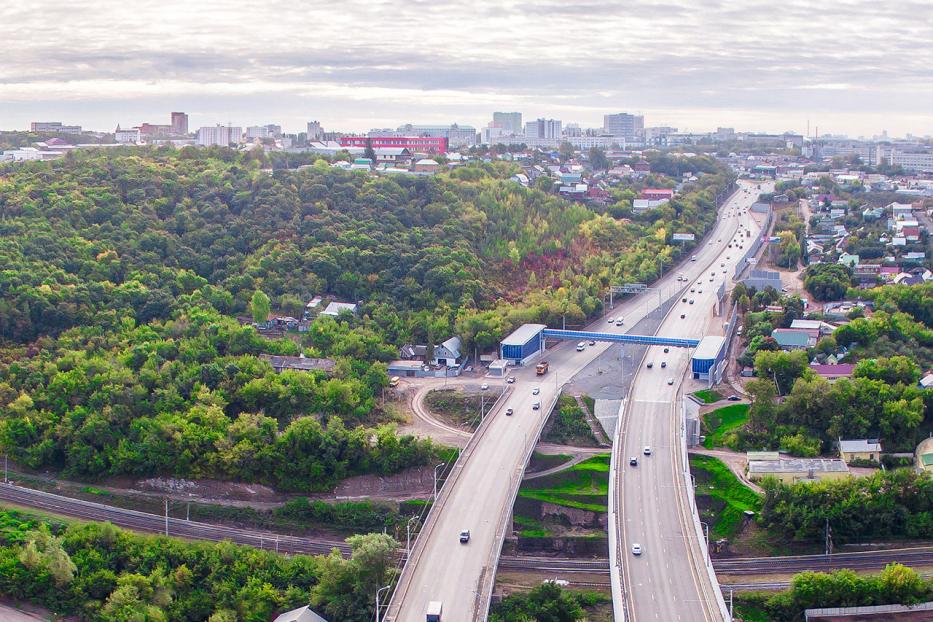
{"x":523,"y":344}
{"x":707,"y":356}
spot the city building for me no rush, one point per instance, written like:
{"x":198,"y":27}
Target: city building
{"x":263,"y":131}
{"x":219,"y":135}
{"x":427,"y":144}
{"x":707,"y":358}
{"x":510,"y":122}
{"x":153,"y":129}
{"x":54,"y":126}
{"x":523,"y":344}
{"x":657,"y":136}
{"x":913,"y":161}
{"x":315,"y":131}
{"x":861,"y":449}
{"x":128,"y":137}
{"x":457,"y":135}
{"x":179,"y":123}
{"x":629,"y":127}
{"x":543,"y":133}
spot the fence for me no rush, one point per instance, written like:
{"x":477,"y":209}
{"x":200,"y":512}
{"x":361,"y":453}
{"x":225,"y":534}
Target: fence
{"x":756,"y":243}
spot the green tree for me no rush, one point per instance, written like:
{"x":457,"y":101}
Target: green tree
{"x":260,"y":306}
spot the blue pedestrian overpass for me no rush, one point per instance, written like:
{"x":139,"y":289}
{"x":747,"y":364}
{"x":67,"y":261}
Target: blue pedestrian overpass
{"x":648,"y":340}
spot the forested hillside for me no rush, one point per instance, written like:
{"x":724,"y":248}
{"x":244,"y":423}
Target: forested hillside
{"x":121,"y":274}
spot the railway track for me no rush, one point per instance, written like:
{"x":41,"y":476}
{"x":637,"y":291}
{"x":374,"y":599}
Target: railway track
{"x":194,"y":530}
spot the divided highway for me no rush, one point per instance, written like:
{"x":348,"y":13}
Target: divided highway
{"x":662,"y":568}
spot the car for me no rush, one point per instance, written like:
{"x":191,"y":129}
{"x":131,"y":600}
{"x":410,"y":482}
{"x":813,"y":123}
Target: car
{"x":647,"y":451}
{"x":619,"y":322}
{"x":484,"y":386}
{"x":670,"y":381}
{"x":510,"y":380}
{"x":611,"y":320}
{"x":722,"y":265}
{"x":733,"y":398}
{"x":666,"y":350}
{"x":509,"y":412}
{"x":730,"y":246}
{"x":536,"y":406}
{"x":464,"y":536}
{"x":784,"y":289}
{"x":633,"y":461}
{"x":636,"y":549}
{"x":663,"y":364}
{"x":536,"y":390}
{"x":650,"y":365}
{"x":683,"y":315}
{"x":711,"y":280}
{"x":691,"y":301}
{"x":683,"y":300}
{"x":581,"y":347}
{"x":700,"y":291}
{"x":592,"y":342}
{"x":692,"y":289}
{"x":723,"y":271}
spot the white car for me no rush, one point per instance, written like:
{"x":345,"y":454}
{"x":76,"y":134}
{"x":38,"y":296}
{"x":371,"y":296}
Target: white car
{"x":647,"y":450}
{"x":611,"y":320}
{"x":670,"y":381}
{"x":511,"y":380}
{"x":484,"y":386}
{"x":636,"y":549}
{"x":536,"y":390}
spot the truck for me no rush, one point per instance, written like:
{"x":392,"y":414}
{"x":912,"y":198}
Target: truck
{"x":541,"y":368}
{"x":434,"y":611}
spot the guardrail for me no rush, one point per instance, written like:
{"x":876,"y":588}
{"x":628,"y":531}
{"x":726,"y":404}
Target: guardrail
{"x":404,"y":583}
{"x":484,"y":593}
{"x":755,"y":246}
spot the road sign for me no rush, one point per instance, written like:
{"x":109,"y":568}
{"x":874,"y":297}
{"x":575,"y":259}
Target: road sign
{"x":632,"y":288}
{"x":683,"y":237}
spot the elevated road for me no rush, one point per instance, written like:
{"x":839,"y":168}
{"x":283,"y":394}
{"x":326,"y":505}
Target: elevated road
{"x":669,"y":580}
{"x":479,"y":495}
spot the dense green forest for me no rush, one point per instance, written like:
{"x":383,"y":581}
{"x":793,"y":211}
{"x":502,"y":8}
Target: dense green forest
{"x":123,"y":273}
{"x":102,"y":573}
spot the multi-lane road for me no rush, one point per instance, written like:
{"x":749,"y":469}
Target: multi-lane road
{"x":479,"y":495}
{"x":668,"y":579}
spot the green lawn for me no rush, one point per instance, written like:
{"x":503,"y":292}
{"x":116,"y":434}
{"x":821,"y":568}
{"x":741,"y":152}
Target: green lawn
{"x":584,"y":486}
{"x":728,"y":497}
{"x":721,"y":421}
{"x":709,"y":396}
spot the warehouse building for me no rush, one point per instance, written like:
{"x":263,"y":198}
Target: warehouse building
{"x":793,"y":470}
{"x":523,"y":344}
{"x":707,"y":357}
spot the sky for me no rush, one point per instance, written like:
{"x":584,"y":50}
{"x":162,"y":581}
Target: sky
{"x":854,"y":67}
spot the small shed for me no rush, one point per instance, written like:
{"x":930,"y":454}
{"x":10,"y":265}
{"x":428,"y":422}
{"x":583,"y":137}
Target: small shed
{"x":861,"y":449}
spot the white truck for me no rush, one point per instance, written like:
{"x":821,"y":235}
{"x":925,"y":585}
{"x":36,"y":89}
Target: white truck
{"x":434,"y":611}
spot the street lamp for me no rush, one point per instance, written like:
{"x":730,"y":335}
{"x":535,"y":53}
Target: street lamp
{"x":435,"y":480}
{"x":378,"y":592}
{"x":408,"y":535}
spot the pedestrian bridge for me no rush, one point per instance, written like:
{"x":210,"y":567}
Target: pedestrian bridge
{"x":649,"y":340}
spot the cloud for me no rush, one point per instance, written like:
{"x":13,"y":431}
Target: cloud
{"x":554,"y":57}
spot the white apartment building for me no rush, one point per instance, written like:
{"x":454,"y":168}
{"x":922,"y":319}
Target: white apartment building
{"x":584,"y":143}
{"x":220,"y":135}
{"x":631,"y":127}
{"x":915,"y":161}
{"x":315,"y":131}
{"x":263,"y":131}
{"x":548,"y":129}
{"x":126,"y":137}
{"x":510,"y":122}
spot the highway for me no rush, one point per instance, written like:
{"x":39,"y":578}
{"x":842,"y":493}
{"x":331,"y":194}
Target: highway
{"x":669,"y":581}
{"x":480,"y":493}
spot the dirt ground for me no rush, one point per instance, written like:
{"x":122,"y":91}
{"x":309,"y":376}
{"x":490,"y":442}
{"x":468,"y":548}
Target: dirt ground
{"x":9,"y":613}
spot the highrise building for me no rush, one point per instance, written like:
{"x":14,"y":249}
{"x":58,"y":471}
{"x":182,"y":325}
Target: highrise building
{"x":456,"y":135}
{"x":510,"y":122}
{"x":315,"y":131}
{"x":629,"y":127}
{"x":543,"y":128}
{"x":179,"y":123}
{"x":220,"y":135}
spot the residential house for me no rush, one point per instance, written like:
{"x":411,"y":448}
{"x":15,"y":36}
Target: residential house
{"x":833,"y":372}
{"x":911,"y":234}
{"x":901,"y":211}
{"x":924,"y":455}
{"x":427,"y":165}
{"x":793,"y":470}
{"x":336,"y":308}
{"x":825,"y":328}
{"x":657,"y":194}
{"x":872,"y":213}
{"x":448,"y":352}
{"x":795,"y":338}
{"x":927,"y":381}
{"x":848,"y":259}
{"x":887,"y":273}
{"x":298,"y":363}
{"x":643,"y":205}
{"x":861,"y":449}
{"x":302,"y":614}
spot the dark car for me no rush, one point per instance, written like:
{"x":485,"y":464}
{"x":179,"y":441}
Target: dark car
{"x":508,"y":412}
{"x":633,"y":461}
{"x":734,"y":398}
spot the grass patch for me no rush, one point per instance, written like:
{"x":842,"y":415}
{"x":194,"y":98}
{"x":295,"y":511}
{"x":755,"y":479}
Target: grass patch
{"x":568,"y":425}
{"x":459,"y":407}
{"x":728,"y":497}
{"x":584,"y":486}
{"x":722,"y":421}
{"x":530,"y":528}
{"x":95,"y":491}
{"x":543,"y":462}
{"x":590,"y":403}
{"x":709,"y":396}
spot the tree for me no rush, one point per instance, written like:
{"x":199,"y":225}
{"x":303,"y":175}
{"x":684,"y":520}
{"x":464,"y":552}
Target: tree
{"x":260,"y":306}
{"x":781,"y":367}
{"x":598,"y":159}
{"x":827,"y":281}
{"x":893,"y":370}
{"x":565,"y":150}
{"x":369,"y":152}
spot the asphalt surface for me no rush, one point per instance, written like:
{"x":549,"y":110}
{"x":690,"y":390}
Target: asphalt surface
{"x":480,"y":495}
{"x":669,"y":581}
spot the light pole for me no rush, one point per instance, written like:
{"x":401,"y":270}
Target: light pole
{"x":378,"y":592}
{"x":408,"y":535}
{"x":435,"y":481}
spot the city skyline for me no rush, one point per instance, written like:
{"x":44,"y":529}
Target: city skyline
{"x":762,"y":67}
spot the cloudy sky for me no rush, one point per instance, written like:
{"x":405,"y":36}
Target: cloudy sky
{"x":847,"y":66}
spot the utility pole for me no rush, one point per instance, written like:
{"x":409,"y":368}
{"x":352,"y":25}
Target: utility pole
{"x":435,"y":481}
{"x":166,"y":515}
{"x":829,"y":539}
{"x":188,"y":511}
{"x":378,"y":592}
{"x":6,"y":468}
